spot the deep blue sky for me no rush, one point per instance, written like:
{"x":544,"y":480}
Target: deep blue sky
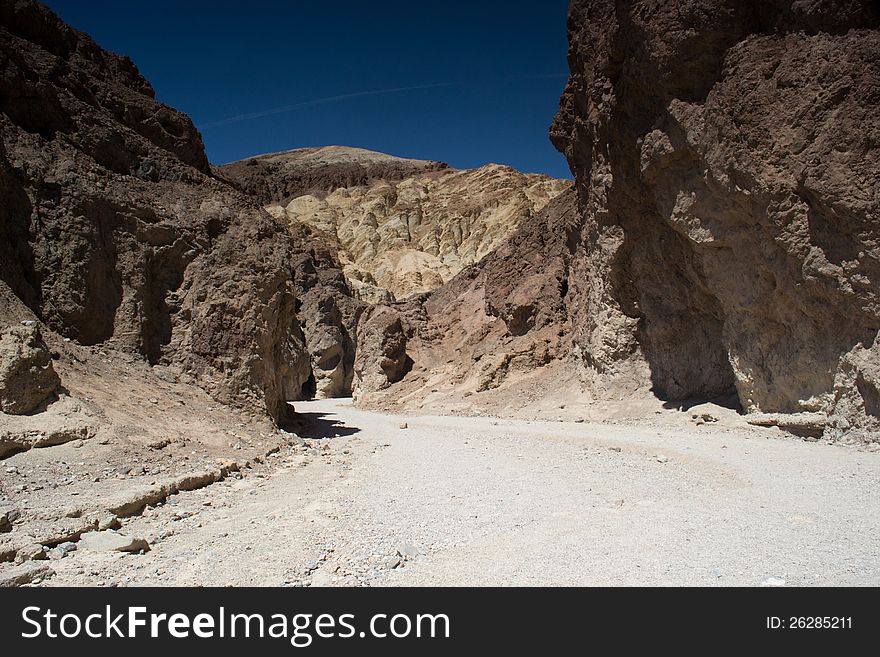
{"x":501,"y":65}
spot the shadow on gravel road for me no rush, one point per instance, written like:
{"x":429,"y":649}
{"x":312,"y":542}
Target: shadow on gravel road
{"x":318,"y":425}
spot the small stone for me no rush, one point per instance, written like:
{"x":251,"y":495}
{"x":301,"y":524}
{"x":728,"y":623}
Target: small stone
{"x":7,"y":517}
{"x":110,"y":541}
{"x":390,"y":563}
{"x":661,"y":459}
{"x":773,"y":581}
{"x":32,"y":552}
{"x":615,"y":449}
{"x":56,"y":553}
{"x":407,"y":551}
{"x":228,"y":464}
{"x":404,"y":425}
{"x":322,"y":578}
{"x":153,"y":400}
{"x":703,"y":418}
{"x":110,"y":521}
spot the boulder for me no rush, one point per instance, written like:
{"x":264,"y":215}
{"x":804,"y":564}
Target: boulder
{"x":381,"y":359}
{"x":111,"y":541}
{"x":27,"y":376}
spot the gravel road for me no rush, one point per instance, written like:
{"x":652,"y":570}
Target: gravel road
{"x":486,"y":501}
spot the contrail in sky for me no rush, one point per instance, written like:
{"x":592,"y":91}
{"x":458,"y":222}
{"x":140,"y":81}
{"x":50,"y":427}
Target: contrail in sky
{"x":358,"y":94}
{"x":320,"y":101}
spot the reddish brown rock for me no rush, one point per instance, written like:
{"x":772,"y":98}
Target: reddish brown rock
{"x":494,"y":325}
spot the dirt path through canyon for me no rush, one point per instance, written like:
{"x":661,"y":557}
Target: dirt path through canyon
{"x":473,"y":501}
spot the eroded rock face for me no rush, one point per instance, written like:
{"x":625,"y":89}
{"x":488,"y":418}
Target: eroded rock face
{"x":496,"y":324}
{"x":27,"y":377}
{"x":328,"y":315}
{"x":855,"y":407}
{"x":398,"y":226}
{"x":382,"y":359}
{"x":726,"y":160}
{"x":399,"y":238}
{"x":113,"y":229}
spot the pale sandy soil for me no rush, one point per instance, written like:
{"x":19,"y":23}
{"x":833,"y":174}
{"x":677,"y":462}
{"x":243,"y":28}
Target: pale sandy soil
{"x":514,"y":502}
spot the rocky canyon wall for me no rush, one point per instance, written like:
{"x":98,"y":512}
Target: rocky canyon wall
{"x":114,"y":229}
{"x":727,"y":163}
{"x":720,"y":242}
{"x":403,"y":226}
{"x":496,"y":336}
